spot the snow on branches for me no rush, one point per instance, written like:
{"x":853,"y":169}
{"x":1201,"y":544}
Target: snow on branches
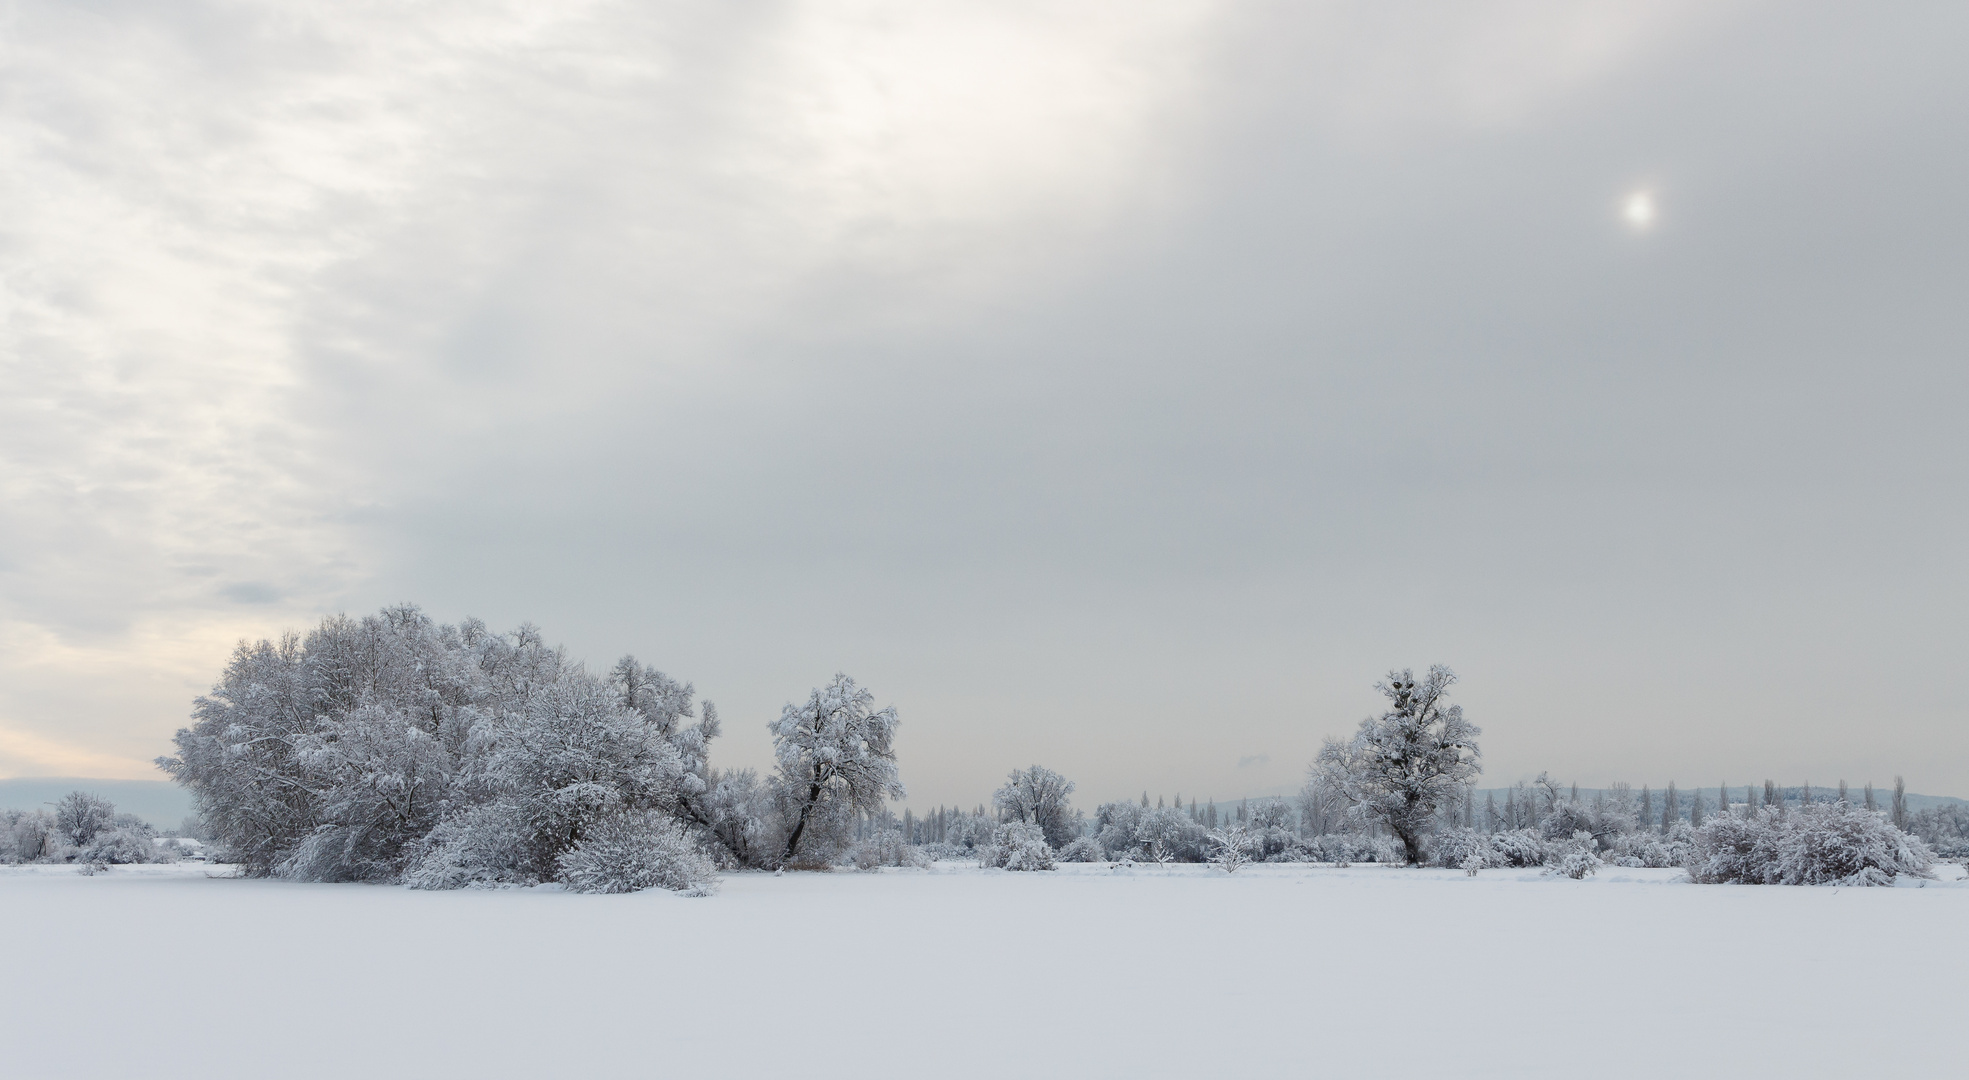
{"x":836,"y":756}
{"x":1404,"y":766}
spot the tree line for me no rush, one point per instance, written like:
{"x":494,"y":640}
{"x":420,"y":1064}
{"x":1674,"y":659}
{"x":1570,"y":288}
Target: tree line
{"x":392,"y":748}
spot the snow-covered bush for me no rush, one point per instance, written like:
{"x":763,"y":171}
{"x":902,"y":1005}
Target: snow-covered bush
{"x":1082,"y":849}
{"x":1573,"y":857}
{"x":639,"y":849}
{"x":968,"y":832}
{"x":1231,"y":848}
{"x":1353,"y":848}
{"x":1017,"y":846}
{"x":1114,"y":827}
{"x":29,"y":837}
{"x":1517,"y":847}
{"x":1272,"y":830}
{"x":478,"y":849}
{"x":1945,"y":829}
{"x":84,"y":828}
{"x":116,"y":847}
{"x":1820,"y":844}
{"x":1566,"y":817}
{"x":1167,"y":835}
{"x":336,"y":756}
{"x":1454,"y":847}
{"x":391,"y":748}
{"x":886,"y":848}
{"x":1648,"y":848}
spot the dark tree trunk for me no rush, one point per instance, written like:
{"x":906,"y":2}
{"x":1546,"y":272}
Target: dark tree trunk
{"x":806,"y":809}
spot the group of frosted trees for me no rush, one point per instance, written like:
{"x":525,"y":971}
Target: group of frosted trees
{"x":1402,"y":789}
{"x":394,"y":749}
{"x":82,"y":828}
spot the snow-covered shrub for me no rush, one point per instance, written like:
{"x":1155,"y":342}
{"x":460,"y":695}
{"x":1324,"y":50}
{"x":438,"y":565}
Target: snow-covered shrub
{"x":1166,"y":836}
{"x":1017,"y":846}
{"x":968,"y":832}
{"x":1272,"y":831}
{"x":1454,"y":847}
{"x":116,"y":847}
{"x":30,"y":836}
{"x":1353,"y":848}
{"x":886,"y":848}
{"x":1820,"y":844}
{"x":1114,"y":827}
{"x":939,"y":850}
{"x":1573,"y":857}
{"x":1082,"y":849}
{"x":1472,"y":863}
{"x":1232,"y":848}
{"x":1517,"y":847}
{"x":1566,"y":817}
{"x":1651,"y":849}
{"x":479,"y":849}
{"x":1945,"y":829}
{"x":636,"y":850}
{"x":375,"y":746}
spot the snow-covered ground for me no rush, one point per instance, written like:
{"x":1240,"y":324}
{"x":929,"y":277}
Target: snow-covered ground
{"x":957,"y":972}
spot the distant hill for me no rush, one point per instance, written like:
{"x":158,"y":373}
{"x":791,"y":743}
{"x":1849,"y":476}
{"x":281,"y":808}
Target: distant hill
{"x":160,"y":802}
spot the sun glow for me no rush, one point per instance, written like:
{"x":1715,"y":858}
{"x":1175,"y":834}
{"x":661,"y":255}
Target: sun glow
{"x":1639,"y":210}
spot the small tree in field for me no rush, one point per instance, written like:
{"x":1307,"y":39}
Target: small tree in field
{"x":1233,"y":848}
{"x":836,"y":755}
{"x":1038,"y":796}
{"x":1403,"y":766}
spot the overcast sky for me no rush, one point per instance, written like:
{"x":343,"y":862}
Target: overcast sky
{"x":1122,"y":387}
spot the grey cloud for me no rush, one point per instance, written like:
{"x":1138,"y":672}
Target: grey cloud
{"x":1349,"y":362}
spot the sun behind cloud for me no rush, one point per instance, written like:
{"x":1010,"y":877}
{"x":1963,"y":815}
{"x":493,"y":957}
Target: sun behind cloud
{"x":1639,"y":211}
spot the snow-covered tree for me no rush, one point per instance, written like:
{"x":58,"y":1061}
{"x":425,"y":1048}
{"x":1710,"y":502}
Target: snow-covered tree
{"x":80,"y":816}
{"x":1402,"y":767}
{"x":1017,"y":845}
{"x":836,"y":755}
{"x":392,"y":748}
{"x":1231,"y":848}
{"x":1039,"y":796}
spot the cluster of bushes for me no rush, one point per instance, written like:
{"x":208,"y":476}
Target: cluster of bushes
{"x":1831,"y":843}
{"x":394,"y":749}
{"x":1820,"y":844}
{"x":84,"y":829}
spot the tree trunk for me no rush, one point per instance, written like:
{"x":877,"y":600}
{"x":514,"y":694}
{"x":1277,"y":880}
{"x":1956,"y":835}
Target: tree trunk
{"x":807,"y":808}
{"x":1411,"y":845}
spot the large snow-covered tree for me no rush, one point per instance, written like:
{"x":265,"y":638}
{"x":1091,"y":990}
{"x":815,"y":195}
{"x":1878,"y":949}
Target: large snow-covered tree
{"x":1038,"y":796}
{"x":392,"y":748}
{"x":836,"y":756}
{"x":1403,"y":766}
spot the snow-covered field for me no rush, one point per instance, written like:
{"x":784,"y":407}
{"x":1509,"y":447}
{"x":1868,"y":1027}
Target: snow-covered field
{"x":162,"y":971}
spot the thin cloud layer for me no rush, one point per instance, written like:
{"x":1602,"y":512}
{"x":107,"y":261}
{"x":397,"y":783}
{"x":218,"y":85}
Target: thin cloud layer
{"x":1120,"y":389}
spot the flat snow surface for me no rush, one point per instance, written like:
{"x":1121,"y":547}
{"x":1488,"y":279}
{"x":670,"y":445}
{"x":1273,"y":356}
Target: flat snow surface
{"x":957,"y":972}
